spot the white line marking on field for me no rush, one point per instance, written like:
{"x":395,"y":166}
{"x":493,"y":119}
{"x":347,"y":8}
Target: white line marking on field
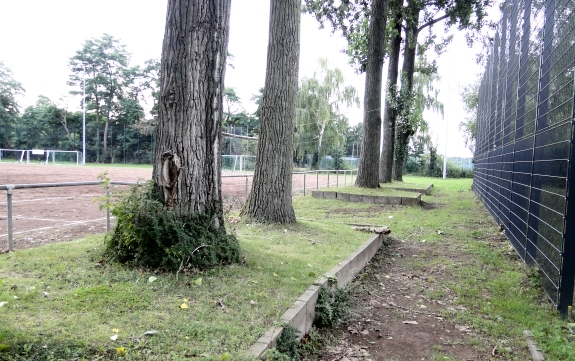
{"x":52,"y":198}
{"x":46,"y":219}
{"x":44,"y":228}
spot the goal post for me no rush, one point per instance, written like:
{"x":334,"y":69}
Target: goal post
{"x":12,"y":155}
{"x":238,"y":163}
{"x":62,"y":156}
{"x":53,"y":156}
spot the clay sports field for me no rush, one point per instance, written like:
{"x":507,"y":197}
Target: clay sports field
{"x":55,"y":214}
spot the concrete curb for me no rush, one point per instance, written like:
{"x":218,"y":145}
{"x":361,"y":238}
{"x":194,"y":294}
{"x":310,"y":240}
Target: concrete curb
{"x":350,"y":197}
{"x":411,"y":201}
{"x":533,"y":348}
{"x":301,"y":315}
{"x":426,"y":190}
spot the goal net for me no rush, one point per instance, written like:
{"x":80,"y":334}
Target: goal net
{"x":62,"y":157}
{"x":239,"y":163}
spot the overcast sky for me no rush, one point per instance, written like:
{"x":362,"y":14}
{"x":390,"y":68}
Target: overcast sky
{"x":39,"y":37}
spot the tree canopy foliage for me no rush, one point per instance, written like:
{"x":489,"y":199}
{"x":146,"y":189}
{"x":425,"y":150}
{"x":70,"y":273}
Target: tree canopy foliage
{"x":412,"y":17}
{"x":320,"y":124}
{"x":114,"y":90}
{"x":410,"y":121}
{"x":10,"y":89}
{"x":470,"y":96}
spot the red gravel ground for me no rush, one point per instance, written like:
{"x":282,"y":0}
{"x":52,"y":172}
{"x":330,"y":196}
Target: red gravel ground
{"x":46,"y":215}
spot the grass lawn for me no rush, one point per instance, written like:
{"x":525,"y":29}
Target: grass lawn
{"x":65,"y":302}
{"x":406,"y":184}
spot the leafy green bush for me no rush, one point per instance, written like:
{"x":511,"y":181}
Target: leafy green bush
{"x":150,"y":235}
{"x":456,"y":172}
{"x":332,"y":307}
{"x":337,"y":162}
{"x":287,"y":346}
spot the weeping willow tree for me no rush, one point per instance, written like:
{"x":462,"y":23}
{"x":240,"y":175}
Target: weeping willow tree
{"x":320,"y":124}
{"x":410,"y":107}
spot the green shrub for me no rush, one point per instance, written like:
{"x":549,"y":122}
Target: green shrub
{"x":456,"y":172}
{"x":288,"y":343}
{"x":332,"y":307}
{"x":147,"y":234}
{"x":337,"y":162}
{"x":287,"y":346}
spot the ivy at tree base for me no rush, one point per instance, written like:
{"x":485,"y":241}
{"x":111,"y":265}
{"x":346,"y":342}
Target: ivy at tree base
{"x":150,"y":235}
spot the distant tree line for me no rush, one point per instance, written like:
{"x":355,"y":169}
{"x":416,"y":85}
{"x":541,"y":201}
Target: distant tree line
{"x":122,"y":112}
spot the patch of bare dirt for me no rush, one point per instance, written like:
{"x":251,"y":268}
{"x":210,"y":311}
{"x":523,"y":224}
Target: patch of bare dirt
{"x":402,"y":312}
{"x":369,"y":210}
{"x":431,"y":205}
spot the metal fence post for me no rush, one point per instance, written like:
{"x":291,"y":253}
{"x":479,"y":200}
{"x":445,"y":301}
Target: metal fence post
{"x":107,"y":210}
{"x":246,"y":187}
{"x":304,"y":173}
{"x":9,"y":189}
{"x":328,"y":179}
{"x":337,"y":178}
{"x":567,"y":274}
{"x":317,"y":179}
{"x":344,"y":178}
{"x":568,"y":268}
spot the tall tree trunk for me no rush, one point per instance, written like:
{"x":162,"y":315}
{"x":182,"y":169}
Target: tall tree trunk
{"x":389,"y":113}
{"x":368,"y":168}
{"x":64,"y":122}
{"x":271,"y":197}
{"x":320,"y":138}
{"x":404,"y":132}
{"x":187,"y":158}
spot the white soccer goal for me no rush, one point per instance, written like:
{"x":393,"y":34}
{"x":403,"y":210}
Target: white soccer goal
{"x":238,"y":163}
{"x":62,"y":156}
{"x":39,"y":155}
{"x":13,"y":155}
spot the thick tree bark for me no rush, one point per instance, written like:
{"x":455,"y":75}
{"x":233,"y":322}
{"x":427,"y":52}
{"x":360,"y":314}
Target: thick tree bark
{"x":368,"y":168}
{"x":270,"y":199}
{"x":187,"y":159}
{"x":389,"y":113}
{"x":403,"y":134}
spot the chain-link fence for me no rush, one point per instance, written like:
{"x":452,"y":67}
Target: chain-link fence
{"x":524,"y":155}
{"x":117,"y":144}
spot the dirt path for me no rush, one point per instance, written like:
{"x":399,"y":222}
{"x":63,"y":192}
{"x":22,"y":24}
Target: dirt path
{"x":402,"y":312}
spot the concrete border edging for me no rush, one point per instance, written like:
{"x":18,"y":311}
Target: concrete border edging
{"x":350,"y":197}
{"x":301,"y":315}
{"x":426,"y":190}
{"x":411,"y":201}
{"x":532,"y":346}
